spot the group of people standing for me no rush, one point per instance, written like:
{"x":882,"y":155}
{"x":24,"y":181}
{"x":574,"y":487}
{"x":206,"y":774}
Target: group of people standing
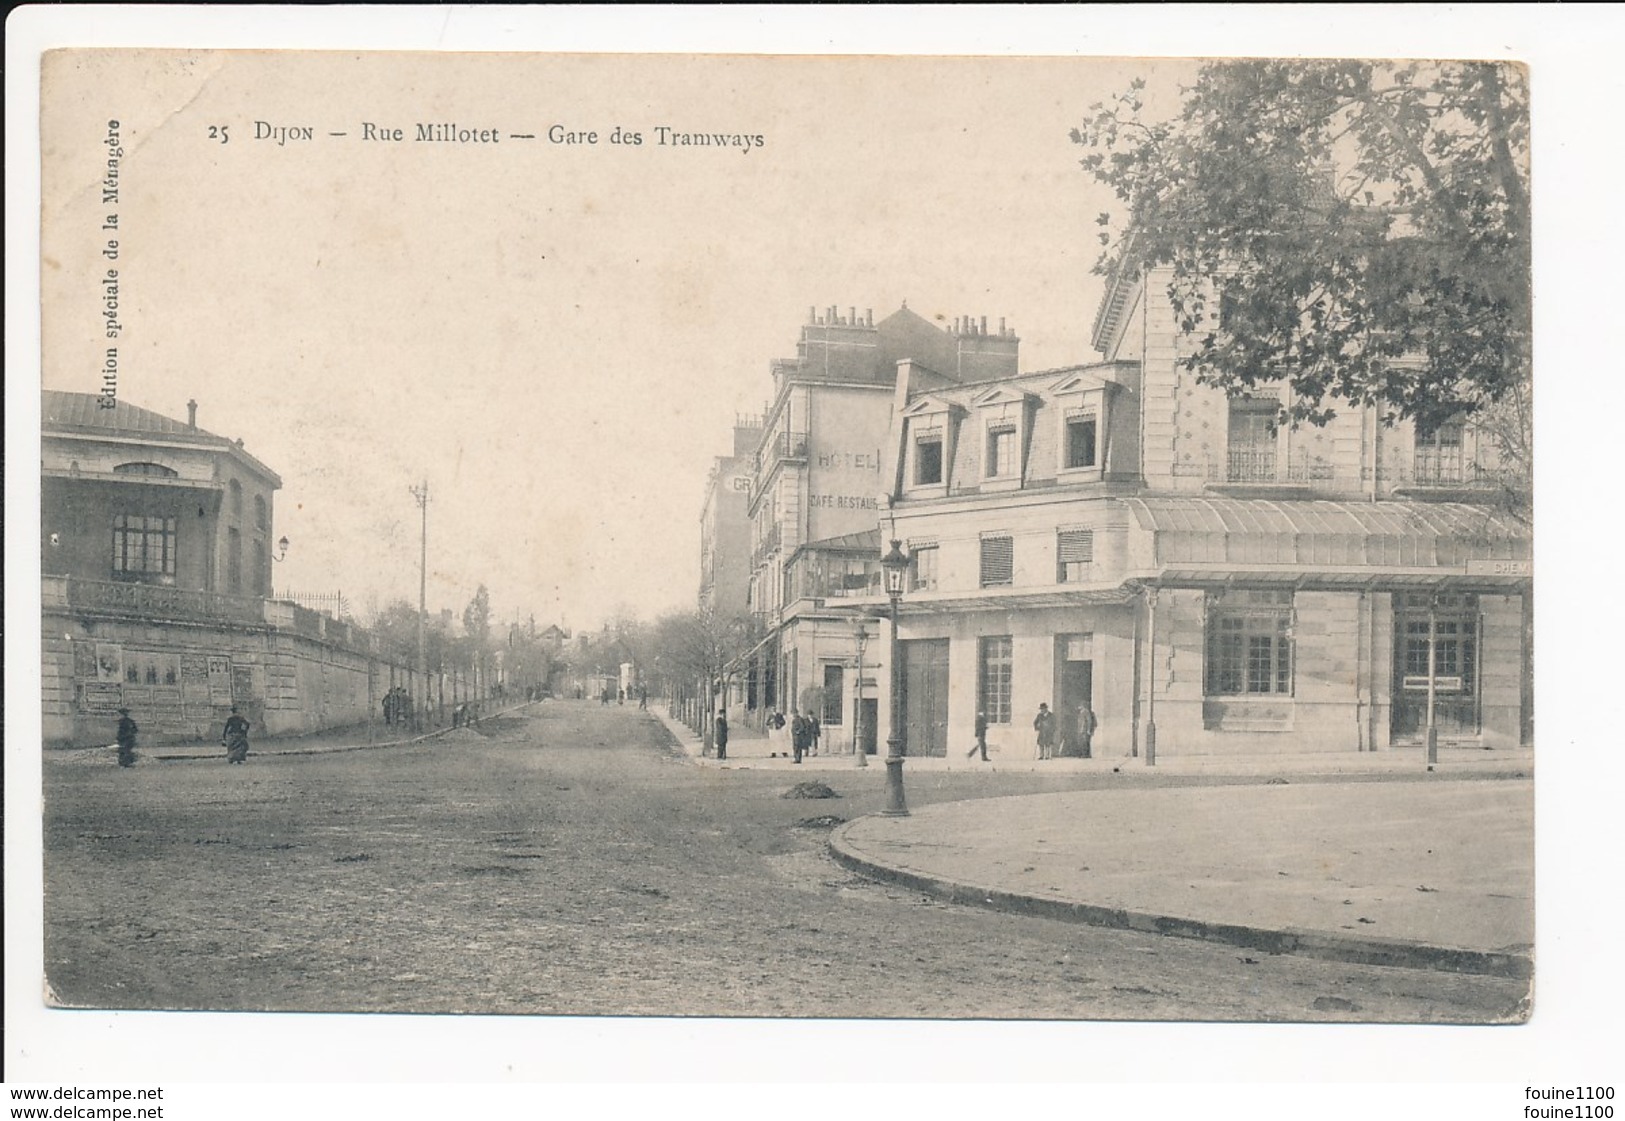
{"x":1045,"y":727}
{"x":801,"y":730}
{"x":397,"y":706}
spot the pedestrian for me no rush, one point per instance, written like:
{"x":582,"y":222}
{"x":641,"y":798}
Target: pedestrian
{"x":981,"y":737}
{"x":799,"y":736}
{"x":235,"y":737}
{"x":643,"y":697}
{"x":620,"y":696}
{"x":1044,"y":725}
{"x":1086,"y":729}
{"x":816,"y":732}
{"x":775,"y":734}
{"x":721,"y":735}
{"x":126,"y":738}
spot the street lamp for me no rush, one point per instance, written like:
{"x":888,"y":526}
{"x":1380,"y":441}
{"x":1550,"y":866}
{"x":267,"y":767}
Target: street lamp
{"x":895,"y":564}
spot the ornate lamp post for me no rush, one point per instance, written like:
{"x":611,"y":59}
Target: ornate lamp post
{"x":895,"y":565}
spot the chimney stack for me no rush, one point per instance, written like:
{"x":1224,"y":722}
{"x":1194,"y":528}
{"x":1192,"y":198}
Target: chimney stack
{"x":191,"y":414}
{"x":983,"y":331}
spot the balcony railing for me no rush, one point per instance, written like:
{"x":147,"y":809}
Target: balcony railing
{"x":784,"y":445}
{"x":1430,"y":471}
{"x":1250,"y":466}
{"x":769,"y":542}
{"x":157,"y":601}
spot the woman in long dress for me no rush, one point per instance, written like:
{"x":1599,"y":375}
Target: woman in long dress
{"x":235,"y":737}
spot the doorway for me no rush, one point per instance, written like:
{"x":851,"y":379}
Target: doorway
{"x":1074,"y":689}
{"x":925,"y":696}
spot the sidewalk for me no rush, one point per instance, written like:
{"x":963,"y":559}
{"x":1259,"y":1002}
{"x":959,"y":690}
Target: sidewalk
{"x":750,"y":749}
{"x":355,"y":738}
{"x":1433,"y":874}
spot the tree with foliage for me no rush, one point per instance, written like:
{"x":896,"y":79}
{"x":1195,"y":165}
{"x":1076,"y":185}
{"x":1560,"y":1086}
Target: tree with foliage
{"x":1357,"y":230}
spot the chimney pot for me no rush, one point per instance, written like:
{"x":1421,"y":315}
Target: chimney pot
{"x":984,"y":326}
{"x":1001,"y":326}
{"x":191,"y":414}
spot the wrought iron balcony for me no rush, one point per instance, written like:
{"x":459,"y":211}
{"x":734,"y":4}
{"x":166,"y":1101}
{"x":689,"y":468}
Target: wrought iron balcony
{"x":159,"y":601}
{"x":1250,"y":465}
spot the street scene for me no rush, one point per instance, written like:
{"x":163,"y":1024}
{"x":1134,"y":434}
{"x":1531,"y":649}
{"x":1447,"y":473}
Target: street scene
{"x":571,"y":859}
{"x":660,"y":537}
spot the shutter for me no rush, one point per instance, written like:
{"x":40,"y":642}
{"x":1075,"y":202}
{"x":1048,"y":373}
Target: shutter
{"x":1075,"y":546}
{"x":998,"y":561}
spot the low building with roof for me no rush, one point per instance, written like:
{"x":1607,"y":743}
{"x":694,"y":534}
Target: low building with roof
{"x":156,"y":556}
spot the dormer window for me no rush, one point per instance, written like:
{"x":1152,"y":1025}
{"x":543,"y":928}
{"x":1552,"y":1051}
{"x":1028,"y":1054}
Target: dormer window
{"x":1081,"y":440}
{"x":1001,"y":451}
{"x":928,"y":461}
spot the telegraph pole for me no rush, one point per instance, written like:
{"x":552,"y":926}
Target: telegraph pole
{"x":421,"y":493}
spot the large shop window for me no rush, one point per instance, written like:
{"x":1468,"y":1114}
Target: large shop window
{"x":998,"y":561}
{"x":143,"y":547}
{"x":1074,"y":553}
{"x":1249,"y":643}
{"x":993,"y":678}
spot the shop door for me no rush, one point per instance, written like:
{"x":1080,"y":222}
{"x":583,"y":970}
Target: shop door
{"x":1455,"y":707}
{"x":1073,"y":691}
{"x":925,"y":696}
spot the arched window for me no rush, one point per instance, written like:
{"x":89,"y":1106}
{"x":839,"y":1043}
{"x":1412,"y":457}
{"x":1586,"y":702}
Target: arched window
{"x":158,"y":470}
{"x":236,"y":489}
{"x":261,"y":519}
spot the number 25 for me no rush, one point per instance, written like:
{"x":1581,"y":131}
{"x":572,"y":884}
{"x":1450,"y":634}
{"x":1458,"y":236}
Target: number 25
{"x":218,"y":132}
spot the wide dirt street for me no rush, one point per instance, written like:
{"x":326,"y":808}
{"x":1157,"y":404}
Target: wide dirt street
{"x":573,"y":862}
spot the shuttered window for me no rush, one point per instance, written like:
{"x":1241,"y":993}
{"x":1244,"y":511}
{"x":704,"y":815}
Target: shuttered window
{"x":998,"y":561}
{"x":1074,"y":553}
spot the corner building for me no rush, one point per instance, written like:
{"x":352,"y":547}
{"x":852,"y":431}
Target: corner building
{"x":816,"y":482}
{"x":1117,"y":536}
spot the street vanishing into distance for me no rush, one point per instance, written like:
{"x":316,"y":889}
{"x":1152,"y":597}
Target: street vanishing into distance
{"x":570,"y":860}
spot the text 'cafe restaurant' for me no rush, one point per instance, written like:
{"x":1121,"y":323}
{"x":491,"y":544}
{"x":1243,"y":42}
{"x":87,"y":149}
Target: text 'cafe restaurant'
{"x":1240,"y":626}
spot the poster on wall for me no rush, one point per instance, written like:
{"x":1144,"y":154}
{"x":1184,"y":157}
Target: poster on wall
{"x":101,"y":696}
{"x":243,"y":682}
{"x":84,"y":661}
{"x":220,"y":681}
{"x":109,"y":661}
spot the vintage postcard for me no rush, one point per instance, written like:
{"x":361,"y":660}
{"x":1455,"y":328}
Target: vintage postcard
{"x":883,"y":538}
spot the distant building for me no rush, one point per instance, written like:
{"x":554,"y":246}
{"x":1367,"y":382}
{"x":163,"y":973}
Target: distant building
{"x":725,"y":525}
{"x":815,"y":480}
{"x":1117,"y":536}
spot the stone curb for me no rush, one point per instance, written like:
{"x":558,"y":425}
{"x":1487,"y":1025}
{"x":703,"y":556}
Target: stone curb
{"x":1306,"y":943}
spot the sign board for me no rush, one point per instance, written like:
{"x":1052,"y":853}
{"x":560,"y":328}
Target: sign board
{"x":1440,"y":684}
{"x":220,"y":681}
{"x":1501,"y":568}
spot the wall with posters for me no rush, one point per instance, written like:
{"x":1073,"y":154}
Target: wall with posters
{"x":179,"y":680}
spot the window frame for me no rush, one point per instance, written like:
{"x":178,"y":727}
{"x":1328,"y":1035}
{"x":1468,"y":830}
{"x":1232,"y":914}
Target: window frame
{"x":1062,"y":575}
{"x":167,"y":533}
{"x":995,"y":664}
{"x":936,"y":440}
{"x":993,"y":465}
{"x":915,"y":583}
{"x":1249,"y":644}
{"x":1078,"y":420}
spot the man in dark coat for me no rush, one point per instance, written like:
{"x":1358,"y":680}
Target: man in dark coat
{"x":235,"y":737}
{"x":721,"y":735}
{"x":1044,"y":725}
{"x":126,"y":738}
{"x":800,"y":736}
{"x":981,"y":737}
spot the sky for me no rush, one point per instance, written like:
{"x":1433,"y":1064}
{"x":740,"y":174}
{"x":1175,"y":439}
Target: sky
{"x":555,"y":336}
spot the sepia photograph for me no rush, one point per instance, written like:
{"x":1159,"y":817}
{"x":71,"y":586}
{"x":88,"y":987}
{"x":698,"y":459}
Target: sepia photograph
{"x":900,"y":538}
